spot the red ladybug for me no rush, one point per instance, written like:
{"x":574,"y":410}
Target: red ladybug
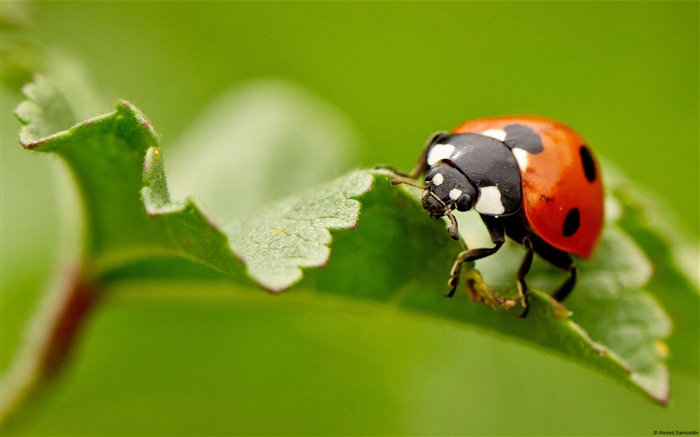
{"x":531,"y":178}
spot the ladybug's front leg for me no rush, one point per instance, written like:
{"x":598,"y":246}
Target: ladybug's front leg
{"x":498,"y":237}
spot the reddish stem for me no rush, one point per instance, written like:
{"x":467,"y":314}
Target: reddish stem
{"x":76,"y":307}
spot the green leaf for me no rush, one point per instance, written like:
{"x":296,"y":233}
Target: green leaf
{"x":118,"y":167}
{"x":294,"y":233}
{"x":374,"y":243}
{"x":609,"y":323}
{"x":675,"y":262}
{"x":44,"y":113}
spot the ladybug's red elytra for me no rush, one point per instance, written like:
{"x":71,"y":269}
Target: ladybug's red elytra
{"x":531,"y":178}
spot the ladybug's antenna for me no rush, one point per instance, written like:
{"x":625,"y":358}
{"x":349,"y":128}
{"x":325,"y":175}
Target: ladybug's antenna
{"x":453,"y":230}
{"x":410,"y":184}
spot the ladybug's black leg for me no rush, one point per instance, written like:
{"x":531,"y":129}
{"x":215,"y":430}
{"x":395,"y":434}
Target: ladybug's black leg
{"x":522,"y":272}
{"x":566,"y":288}
{"x":559,"y":259}
{"x":497,"y":233}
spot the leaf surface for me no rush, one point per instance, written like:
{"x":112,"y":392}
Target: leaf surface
{"x":359,"y":241}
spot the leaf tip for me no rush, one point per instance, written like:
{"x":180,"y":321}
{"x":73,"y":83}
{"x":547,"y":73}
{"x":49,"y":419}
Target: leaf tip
{"x":44,"y":113}
{"x":130,"y":110}
{"x":30,"y":144}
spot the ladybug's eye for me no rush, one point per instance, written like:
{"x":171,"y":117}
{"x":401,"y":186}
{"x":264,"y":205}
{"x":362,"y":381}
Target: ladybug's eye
{"x":464,"y":202}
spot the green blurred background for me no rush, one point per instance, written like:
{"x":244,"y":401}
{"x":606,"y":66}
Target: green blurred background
{"x":624,"y":74}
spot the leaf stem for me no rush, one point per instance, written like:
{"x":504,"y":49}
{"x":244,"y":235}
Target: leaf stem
{"x":51,"y":337}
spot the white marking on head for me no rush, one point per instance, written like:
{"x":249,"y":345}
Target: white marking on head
{"x":438,"y":179}
{"x":455,"y":193}
{"x":490,"y":201}
{"x":498,"y":134}
{"x":521,"y":156}
{"x":439,"y":152}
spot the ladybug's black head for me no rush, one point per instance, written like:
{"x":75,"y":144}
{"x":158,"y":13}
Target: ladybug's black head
{"x":447,"y":189}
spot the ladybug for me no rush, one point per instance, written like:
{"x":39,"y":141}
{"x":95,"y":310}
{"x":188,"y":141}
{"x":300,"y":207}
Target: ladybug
{"x":530,"y":178}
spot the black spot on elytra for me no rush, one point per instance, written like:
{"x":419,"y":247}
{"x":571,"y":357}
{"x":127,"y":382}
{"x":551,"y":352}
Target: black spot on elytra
{"x":571,"y":222}
{"x":522,"y":137}
{"x":588,"y":164}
